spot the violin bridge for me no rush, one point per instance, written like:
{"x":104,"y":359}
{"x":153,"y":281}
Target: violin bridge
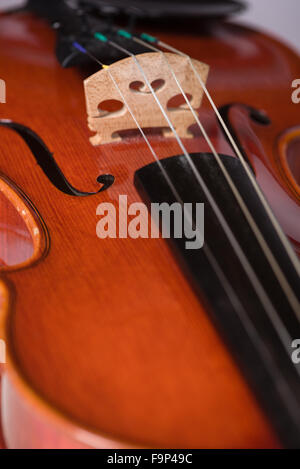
{"x":108,"y":102}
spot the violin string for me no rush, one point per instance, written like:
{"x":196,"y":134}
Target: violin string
{"x":271,"y":367}
{"x":150,"y":147}
{"x":289,"y":250}
{"x":290,"y":295}
{"x":161,"y":167}
{"x":275,"y":319}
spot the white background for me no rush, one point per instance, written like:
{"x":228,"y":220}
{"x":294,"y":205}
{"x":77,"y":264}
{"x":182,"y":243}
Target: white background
{"x":280,"y":17}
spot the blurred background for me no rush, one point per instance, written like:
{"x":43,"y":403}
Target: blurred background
{"x":280,"y":17}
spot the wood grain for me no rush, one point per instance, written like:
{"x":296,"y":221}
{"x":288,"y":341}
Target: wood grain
{"x":100,"y":87}
{"x":107,"y":344}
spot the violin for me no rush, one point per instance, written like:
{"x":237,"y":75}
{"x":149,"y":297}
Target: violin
{"x":122,"y":329}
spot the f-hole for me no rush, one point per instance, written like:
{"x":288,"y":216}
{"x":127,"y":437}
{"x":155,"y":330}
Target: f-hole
{"x":47,"y":163}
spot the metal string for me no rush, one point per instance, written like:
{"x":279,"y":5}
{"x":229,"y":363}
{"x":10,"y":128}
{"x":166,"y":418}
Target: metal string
{"x":290,"y":295}
{"x":258,"y":190}
{"x":281,"y":330}
{"x":280,"y":383}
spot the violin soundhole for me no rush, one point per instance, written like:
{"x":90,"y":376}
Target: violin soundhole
{"x":289,"y":149}
{"x":23,"y":238}
{"x":293,"y":160}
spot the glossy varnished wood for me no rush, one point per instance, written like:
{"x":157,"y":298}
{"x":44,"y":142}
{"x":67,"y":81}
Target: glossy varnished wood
{"x":100,"y":87}
{"x":107,"y":344}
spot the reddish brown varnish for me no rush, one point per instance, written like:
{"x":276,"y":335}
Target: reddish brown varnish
{"x":107,"y":344}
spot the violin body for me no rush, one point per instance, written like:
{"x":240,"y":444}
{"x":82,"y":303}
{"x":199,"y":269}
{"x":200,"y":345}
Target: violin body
{"x":107,"y":344}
